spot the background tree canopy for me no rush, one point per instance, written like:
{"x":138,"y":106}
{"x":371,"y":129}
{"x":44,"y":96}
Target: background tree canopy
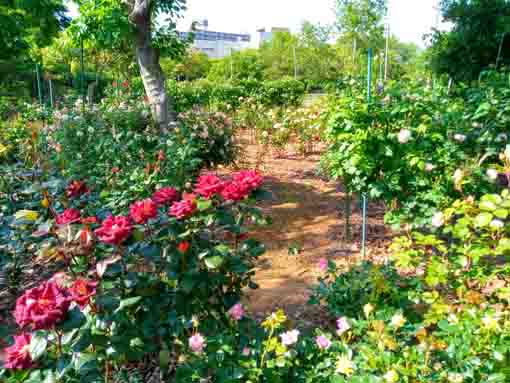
{"x":472,"y":45}
{"x":29,"y":23}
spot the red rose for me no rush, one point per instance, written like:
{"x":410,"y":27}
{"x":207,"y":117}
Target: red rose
{"x":142,"y":211}
{"x":161,"y":155}
{"x":114,"y":230}
{"x":76,"y":189}
{"x":235,"y":191}
{"x":115,"y":170}
{"x":125,"y":84}
{"x":42,"y":307}
{"x":82,"y":290}
{"x":17,"y":356}
{"x":183,"y":247}
{"x":208,"y":185}
{"x":182,"y":209}
{"x":249,"y":178}
{"x":114,"y":84}
{"x":68,"y":216}
{"x":165,"y":196}
{"x":189,"y":196}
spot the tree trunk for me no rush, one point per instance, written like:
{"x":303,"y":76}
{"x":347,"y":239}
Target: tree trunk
{"x":150,"y":68}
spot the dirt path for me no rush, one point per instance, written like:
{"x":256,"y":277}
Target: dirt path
{"x":307,"y":213}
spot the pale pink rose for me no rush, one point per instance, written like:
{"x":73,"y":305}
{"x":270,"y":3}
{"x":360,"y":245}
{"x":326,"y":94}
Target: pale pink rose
{"x":323,"y":342}
{"x":290,"y":337}
{"x":323,"y":265}
{"x":236,"y":312}
{"x":197,"y":343}
{"x":342,"y":325}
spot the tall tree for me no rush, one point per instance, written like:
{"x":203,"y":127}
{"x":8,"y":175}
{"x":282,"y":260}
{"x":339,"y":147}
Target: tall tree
{"x":29,"y":23}
{"x":146,"y":25}
{"x":360,"y":24}
{"x":480,"y":33}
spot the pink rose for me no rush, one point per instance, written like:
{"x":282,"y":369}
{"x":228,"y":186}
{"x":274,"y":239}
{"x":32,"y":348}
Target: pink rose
{"x":42,"y":307}
{"x":197,"y":343}
{"x":182,"y":209}
{"x":249,"y":178}
{"x":82,"y":290}
{"x":290,"y":337}
{"x":234,"y":191}
{"x":236,"y":312}
{"x":208,"y":185}
{"x":68,"y":216}
{"x":17,"y":356}
{"x":142,"y":211}
{"x":323,"y":265}
{"x":114,"y":230}
{"x":165,"y":196}
{"x":342,"y":325}
{"x":322,"y":342}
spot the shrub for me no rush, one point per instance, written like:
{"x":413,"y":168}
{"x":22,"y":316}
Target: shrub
{"x":132,"y":288}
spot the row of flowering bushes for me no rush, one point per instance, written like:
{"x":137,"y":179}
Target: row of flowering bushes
{"x":418,"y":149}
{"x":134,"y":285}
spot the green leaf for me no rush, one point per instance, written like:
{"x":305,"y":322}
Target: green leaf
{"x":128,"y":302}
{"x":214,"y":262}
{"x":82,"y":361}
{"x":38,"y":345}
{"x":501,"y":213}
{"x":483,"y":219}
{"x":337,"y":379}
{"x":223,"y":249}
{"x":204,"y":204}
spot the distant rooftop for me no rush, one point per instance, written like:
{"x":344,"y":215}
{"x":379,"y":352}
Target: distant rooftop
{"x":216,"y":36}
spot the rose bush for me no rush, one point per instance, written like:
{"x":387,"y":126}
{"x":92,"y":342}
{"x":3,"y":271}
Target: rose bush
{"x":417,"y":150}
{"x":138,"y":286}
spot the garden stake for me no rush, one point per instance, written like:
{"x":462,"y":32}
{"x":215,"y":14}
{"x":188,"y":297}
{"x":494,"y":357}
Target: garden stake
{"x":369,"y":77}
{"x":364,"y":226}
{"x":39,"y":90}
{"x":51,"y":92}
{"x":82,"y":77}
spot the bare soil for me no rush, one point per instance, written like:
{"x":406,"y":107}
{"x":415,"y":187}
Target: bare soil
{"x":307,"y":213}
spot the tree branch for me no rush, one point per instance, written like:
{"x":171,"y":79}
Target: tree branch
{"x":140,"y":14}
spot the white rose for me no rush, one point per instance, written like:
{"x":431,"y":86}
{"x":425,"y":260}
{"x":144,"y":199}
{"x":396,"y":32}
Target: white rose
{"x":497,"y":224}
{"x":438,"y":219}
{"x":404,"y":136}
{"x":458,"y":176}
{"x":429,"y":167}
{"x":459,"y":137}
{"x":455,"y":378}
{"x":492,"y":174}
{"x":391,"y":376}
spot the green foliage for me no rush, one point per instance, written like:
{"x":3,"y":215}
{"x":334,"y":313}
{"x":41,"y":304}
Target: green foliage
{"x":480,"y":28}
{"x":27,"y":24}
{"x":417,"y":150}
{"x":187,"y":95}
{"x":347,"y":292}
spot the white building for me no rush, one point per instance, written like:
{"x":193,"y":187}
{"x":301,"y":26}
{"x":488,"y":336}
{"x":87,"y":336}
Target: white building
{"x":263,"y":35}
{"x":217,"y":44}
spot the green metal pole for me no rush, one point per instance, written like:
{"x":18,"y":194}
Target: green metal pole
{"x":82,"y":77}
{"x":51,"y":92}
{"x":39,"y":89}
{"x":369,"y":77}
